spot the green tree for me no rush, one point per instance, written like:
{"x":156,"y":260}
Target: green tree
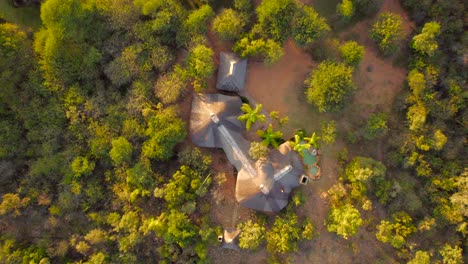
{"x":344,"y":220}
{"x":421,"y":257}
{"x":229,"y":24}
{"x":352,"y":53}
{"x":329,"y":85}
{"x":376,"y":126}
{"x":308,"y":26}
{"x":313,"y":140}
{"x":195,"y":25}
{"x":243,"y":5}
{"x":425,"y":42}
{"x":252,"y":234}
{"x":387,"y":32}
{"x":396,"y":231}
{"x":439,"y":139}
{"x":274,"y":17}
{"x":416,"y":116}
{"x":328,"y":132}
{"x":164,"y":131}
{"x":270,"y":51}
{"x":200,"y":65}
{"x":451,"y":255}
{"x":169,"y":86}
{"x":417,"y":82}
{"x":258,"y":150}
{"x":251,"y":115}
{"x":284,"y":235}
{"x":299,"y":144}
{"x":121,"y":150}
{"x":345,"y":9}
{"x":82,"y":166}
{"x":11,"y":202}
{"x":269,"y":136}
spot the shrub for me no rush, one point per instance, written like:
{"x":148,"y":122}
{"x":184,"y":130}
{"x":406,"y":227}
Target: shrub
{"x":387,"y":32}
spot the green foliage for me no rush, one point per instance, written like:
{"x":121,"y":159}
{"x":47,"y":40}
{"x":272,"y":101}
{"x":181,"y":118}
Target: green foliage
{"x":252,"y":234}
{"x":425,"y":42}
{"x":330,"y":83}
{"x":274,"y":17}
{"x":82,"y":166}
{"x":250,"y":115}
{"x":345,"y":9}
{"x":416,"y":116}
{"x":421,"y":257}
{"x":228,"y":24}
{"x":174,"y":227}
{"x":308,"y":229}
{"x":243,"y":5}
{"x":164,"y":131}
{"x":200,"y":65}
{"x":352,"y":53}
{"x":182,"y":187}
{"x":451,"y":255}
{"x":270,"y":50}
{"x":344,"y":220}
{"x":439,"y":139}
{"x":396,"y":231}
{"x":308,"y":26}
{"x":283,"y":237}
{"x":169,"y":86}
{"x":364,"y":169}
{"x":387,"y":32}
{"x":313,"y":140}
{"x":12,"y":252}
{"x":195,"y":159}
{"x":121,"y":150}
{"x":458,"y":198}
{"x":417,"y":82}
{"x":376,"y":126}
{"x":270,"y":137}
{"x":140,"y":176}
{"x":12,"y":203}
{"x":258,"y":150}
{"x":328,"y":132}
{"x":197,"y":20}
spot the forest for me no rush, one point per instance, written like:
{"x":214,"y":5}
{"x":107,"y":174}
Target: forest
{"x":96,"y":165}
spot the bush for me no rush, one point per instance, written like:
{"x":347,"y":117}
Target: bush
{"x":329,"y":85}
{"x":351,"y":53}
{"x":344,"y":220}
{"x":252,"y":234}
{"x":395,"y":232}
{"x":387,"y":32}
{"x":308,"y":26}
{"x":229,"y":24}
{"x":376,"y":126}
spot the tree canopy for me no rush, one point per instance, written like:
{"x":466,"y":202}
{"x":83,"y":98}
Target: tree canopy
{"x":329,"y":85}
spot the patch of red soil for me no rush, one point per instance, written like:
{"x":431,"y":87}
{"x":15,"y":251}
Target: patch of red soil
{"x":271,"y":85}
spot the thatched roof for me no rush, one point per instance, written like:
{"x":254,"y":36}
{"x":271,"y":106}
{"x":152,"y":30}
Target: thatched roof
{"x":263,"y":185}
{"x":231,"y":72}
{"x":230,"y":238}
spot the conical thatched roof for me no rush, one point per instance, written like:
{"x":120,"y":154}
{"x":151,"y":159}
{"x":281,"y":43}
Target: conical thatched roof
{"x":231,"y":72}
{"x":203,"y":131}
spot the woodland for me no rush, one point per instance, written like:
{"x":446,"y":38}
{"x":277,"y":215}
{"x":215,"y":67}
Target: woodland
{"x":96,"y":165}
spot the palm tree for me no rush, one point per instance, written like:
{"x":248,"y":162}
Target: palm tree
{"x":313,"y":140}
{"x":299,"y":145}
{"x":269,"y":136}
{"x":251,"y":115}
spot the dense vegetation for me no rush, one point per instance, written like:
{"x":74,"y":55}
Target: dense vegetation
{"x":92,"y":169}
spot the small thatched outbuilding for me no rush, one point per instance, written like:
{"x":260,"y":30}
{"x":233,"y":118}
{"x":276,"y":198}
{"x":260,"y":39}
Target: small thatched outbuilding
{"x":232,"y":72}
